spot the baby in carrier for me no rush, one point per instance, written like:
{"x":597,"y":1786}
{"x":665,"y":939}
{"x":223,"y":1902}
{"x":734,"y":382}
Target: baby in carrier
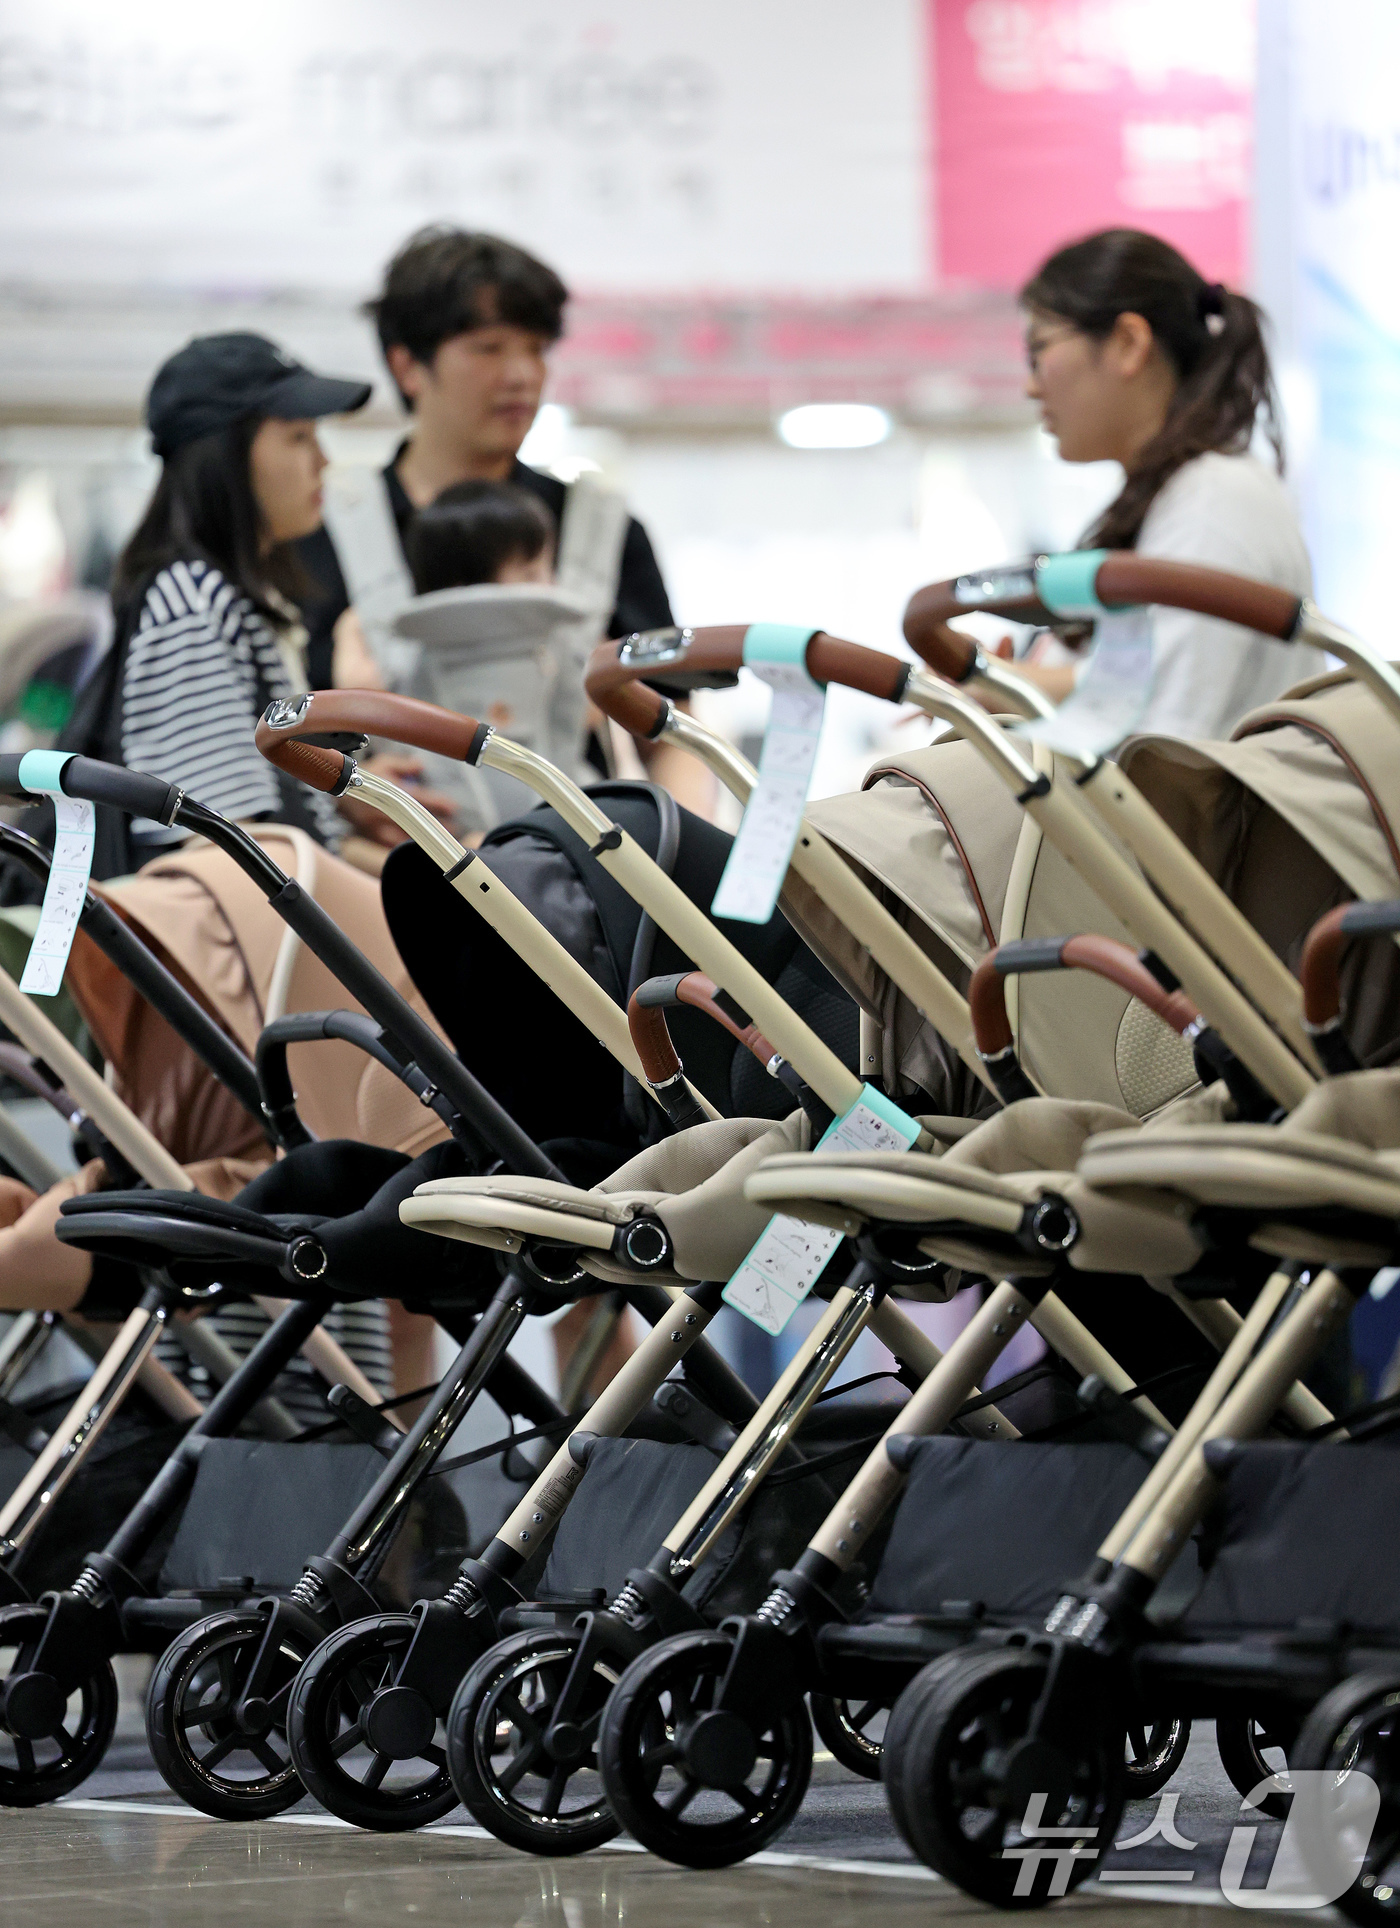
{"x":490,"y":634}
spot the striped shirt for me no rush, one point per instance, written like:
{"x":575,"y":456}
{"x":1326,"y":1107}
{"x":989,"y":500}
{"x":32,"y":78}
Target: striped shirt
{"x":201,"y":666}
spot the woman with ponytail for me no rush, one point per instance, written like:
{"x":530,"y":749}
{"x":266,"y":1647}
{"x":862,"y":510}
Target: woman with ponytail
{"x":1136,"y":358}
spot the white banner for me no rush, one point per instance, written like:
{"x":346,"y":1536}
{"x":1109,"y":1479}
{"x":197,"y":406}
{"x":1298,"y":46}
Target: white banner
{"x":638,"y":145}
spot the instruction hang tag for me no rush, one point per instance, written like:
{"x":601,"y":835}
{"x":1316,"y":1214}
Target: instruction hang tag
{"x":762,"y":850}
{"x":75,"y":832}
{"x":1111,"y":697}
{"x":789,"y":1255}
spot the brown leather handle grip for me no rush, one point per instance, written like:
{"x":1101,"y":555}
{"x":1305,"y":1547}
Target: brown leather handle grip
{"x":945,"y":650}
{"x":615,"y":684}
{"x":1321,"y":964}
{"x":651,"y":1036}
{"x":402,"y":719}
{"x":1102,"y":955}
{"x":309,"y":763}
{"x":1123,"y":577}
{"x":646,"y":1020}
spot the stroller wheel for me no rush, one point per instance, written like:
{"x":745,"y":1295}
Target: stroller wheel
{"x":904,"y":1716}
{"x":695,"y":1783}
{"x":1153,"y":1751}
{"x":1351,"y":1848}
{"x":221,"y":1750}
{"x":979,"y":1789}
{"x":1252,"y":1751}
{"x":533,"y":1789}
{"x":50,"y":1741}
{"x":368,"y":1750}
{"x":853,"y":1730}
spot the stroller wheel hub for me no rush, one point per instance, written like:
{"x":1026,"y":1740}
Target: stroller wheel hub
{"x":564,"y":1743}
{"x":253,"y":1715}
{"x":400,"y":1723}
{"x":719,"y":1749}
{"x":1034,"y":1770}
{"x":34,"y":1706}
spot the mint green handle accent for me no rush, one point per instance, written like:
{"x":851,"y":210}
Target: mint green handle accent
{"x":40,"y":770}
{"x":1066,"y":584}
{"x":777,"y":643}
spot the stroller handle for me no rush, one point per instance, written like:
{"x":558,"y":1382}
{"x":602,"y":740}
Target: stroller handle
{"x":690,"y":658}
{"x":314,"y":737}
{"x":646,"y":1020}
{"x":1320,"y":971}
{"x":1086,"y":583}
{"x":1103,"y":956}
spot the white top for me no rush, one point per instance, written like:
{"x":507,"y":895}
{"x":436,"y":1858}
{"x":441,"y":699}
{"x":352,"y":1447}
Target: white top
{"x":1228,"y":512}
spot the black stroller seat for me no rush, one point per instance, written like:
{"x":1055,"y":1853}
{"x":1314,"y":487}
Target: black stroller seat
{"x":320,"y":1248}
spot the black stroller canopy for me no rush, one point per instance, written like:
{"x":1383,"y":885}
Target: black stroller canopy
{"x":530,"y":1052}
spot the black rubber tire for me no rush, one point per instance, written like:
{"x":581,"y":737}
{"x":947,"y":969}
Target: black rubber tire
{"x":1357,"y":1728}
{"x":208,"y":1655}
{"x":327,"y":1704}
{"x":903,"y":1718}
{"x":979,"y":1709}
{"x":1152,"y":1753}
{"x":638,"y":1730}
{"x":840,"y":1725}
{"x":1239,"y":1741}
{"x":34,"y":1772}
{"x":511,"y":1688}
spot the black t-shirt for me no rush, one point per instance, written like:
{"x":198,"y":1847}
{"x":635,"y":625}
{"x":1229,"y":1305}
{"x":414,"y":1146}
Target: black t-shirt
{"x":641,"y":594}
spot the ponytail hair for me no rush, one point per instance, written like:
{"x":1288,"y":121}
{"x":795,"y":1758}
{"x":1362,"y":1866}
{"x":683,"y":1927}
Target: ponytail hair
{"x":1213,"y":338}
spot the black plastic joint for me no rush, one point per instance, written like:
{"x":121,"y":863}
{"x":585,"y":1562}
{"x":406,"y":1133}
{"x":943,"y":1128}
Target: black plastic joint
{"x":611,"y":839}
{"x":1026,"y":954}
{"x":480,"y":738}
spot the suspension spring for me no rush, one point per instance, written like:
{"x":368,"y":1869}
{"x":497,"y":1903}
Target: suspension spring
{"x":630,"y":1605}
{"x":307,"y":1591}
{"x":777,"y":1607}
{"x":88,"y":1584}
{"x":464,"y":1595}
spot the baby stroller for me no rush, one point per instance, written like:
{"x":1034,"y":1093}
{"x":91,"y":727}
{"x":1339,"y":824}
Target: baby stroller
{"x":109,"y":1602}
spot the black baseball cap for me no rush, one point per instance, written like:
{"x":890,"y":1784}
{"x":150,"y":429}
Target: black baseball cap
{"x":215,"y":380}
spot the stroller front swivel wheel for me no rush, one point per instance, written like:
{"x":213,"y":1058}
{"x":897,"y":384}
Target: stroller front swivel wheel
{"x":702,"y":1785}
{"x":219,"y":1746}
{"x":533,"y":1783}
{"x":852,"y":1729}
{"x":1351,"y":1734}
{"x":1252,"y":1751}
{"x":368,"y":1749}
{"x":1153,"y":1751}
{"x":980,"y":1789}
{"x":50,"y":1739}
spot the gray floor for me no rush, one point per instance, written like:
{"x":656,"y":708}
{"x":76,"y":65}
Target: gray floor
{"x":124,"y":1852}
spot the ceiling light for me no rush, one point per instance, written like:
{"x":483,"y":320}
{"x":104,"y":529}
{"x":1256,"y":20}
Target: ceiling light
{"x":833,"y":425}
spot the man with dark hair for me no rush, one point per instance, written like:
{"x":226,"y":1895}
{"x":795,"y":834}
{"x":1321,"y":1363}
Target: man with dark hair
{"x":465,"y":323}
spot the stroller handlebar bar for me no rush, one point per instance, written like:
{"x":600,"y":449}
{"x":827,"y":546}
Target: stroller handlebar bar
{"x":1103,"y":956}
{"x":1080,"y":586}
{"x":646,"y":1020}
{"x":314,"y":737}
{"x":81,"y":776}
{"x":619,"y":674}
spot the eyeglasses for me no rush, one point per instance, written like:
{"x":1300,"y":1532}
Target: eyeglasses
{"x":1036,"y":345}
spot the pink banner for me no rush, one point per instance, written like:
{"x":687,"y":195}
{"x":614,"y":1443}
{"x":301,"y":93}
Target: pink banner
{"x":1056,"y":117}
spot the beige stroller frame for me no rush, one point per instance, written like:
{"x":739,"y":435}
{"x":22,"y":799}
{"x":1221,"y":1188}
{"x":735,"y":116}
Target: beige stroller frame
{"x":460,"y":1208}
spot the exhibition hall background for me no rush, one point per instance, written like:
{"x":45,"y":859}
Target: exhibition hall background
{"x":757,"y":206}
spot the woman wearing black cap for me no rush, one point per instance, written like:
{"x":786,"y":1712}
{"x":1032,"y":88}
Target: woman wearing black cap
{"x":205,"y":591}
{"x":1135,"y":358}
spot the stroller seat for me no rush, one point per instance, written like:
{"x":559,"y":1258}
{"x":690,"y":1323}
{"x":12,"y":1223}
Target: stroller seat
{"x":986,"y":1204}
{"x":184,"y":1229}
{"x":692,"y":1183}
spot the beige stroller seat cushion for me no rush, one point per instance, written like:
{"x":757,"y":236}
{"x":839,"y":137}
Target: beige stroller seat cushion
{"x":692,"y":1181}
{"x":970,"y":1218}
{"x":1296,"y":1169}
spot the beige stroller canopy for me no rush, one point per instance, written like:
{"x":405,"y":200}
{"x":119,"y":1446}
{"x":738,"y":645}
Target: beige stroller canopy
{"x":1296,"y":814}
